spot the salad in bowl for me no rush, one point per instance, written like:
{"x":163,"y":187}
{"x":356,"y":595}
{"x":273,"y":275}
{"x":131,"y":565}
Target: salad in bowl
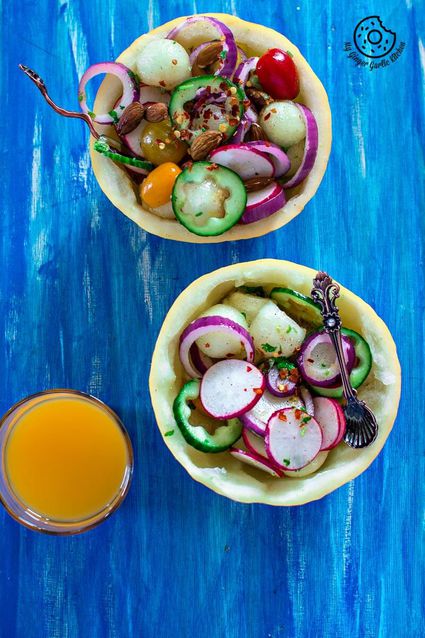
{"x":208,"y":129}
{"x":246,"y":385}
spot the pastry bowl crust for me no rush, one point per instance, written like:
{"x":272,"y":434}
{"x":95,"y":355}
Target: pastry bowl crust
{"x":255,"y":39}
{"x":224,"y":474}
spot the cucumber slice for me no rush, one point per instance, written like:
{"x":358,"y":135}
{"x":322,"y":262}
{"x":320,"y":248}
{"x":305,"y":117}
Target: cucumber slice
{"x":208,"y":199}
{"x":101,"y":146}
{"x":361,"y":368}
{"x":191,"y":90}
{"x":297,"y":305}
{"x":196,"y":435}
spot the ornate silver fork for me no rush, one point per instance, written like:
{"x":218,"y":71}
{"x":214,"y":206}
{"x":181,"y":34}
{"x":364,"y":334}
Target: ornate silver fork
{"x":362,"y":427}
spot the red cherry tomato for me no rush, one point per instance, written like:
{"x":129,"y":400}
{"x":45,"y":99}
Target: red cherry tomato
{"x":278,"y":74}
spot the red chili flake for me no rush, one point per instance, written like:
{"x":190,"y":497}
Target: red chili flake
{"x":310,"y":360}
{"x":229,"y":354}
{"x":223,"y":86}
{"x":233,"y":121}
{"x":162,"y":83}
{"x":174,"y":61}
{"x":266,"y":117}
{"x":282,"y":416}
{"x":298,"y":414}
{"x":248,"y":369}
{"x":213,"y":167}
{"x":258,"y":391}
{"x":207,"y":345}
{"x":246,"y":103}
{"x":245,"y":390}
{"x":283,"y":373}
{"x":273,"y":110}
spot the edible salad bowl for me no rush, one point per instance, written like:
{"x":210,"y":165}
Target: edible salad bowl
{"x":175,"y":361}
{"x":276,"y":204}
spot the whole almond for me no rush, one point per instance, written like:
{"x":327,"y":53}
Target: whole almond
{"x":204,"y":144}
{"x":209,"y":54}
{"x":130,"y":118}
{"x":156,"y":112}
{"x":257,"y":183}
{"x":260,"y":99}
{"x":256,"y":133}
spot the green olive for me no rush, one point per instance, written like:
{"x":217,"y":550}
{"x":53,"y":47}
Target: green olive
{"x":159,"y":144}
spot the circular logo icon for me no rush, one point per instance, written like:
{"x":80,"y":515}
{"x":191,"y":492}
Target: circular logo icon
{"x":372,"y":39}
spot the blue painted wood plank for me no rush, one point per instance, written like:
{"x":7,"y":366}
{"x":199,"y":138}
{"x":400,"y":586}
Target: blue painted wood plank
{"x":83,"y":293}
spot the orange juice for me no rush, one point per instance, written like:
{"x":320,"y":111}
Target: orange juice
{"x":66,"y":456}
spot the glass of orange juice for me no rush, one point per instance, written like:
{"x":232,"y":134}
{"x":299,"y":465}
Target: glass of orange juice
{"x":66,"y":461}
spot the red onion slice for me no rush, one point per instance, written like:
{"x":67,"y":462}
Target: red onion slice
{"x":241,"y":75}
{"x":317,"y":369}
{"x":310,"y":149}
{"x":248,"y":118}
{"x":203,"y":326}
{"x":130,"y":90}
{"x":200,"y":360}
{"x":280,"y":159}
{"x":263,"y":203}
{"x":229,"y":58}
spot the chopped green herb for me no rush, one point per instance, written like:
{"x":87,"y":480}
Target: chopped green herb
{"x":290,"y":54}
{"x":199,"y":214}
{"x":306,"y":419}
{"x":303,"y":430}
{"x":243,"y":313}
{"x":286,"y":462}
{"x":284,"y":363}
{"x":223,"y":55}
{"x":122,"y":107}
{"x":268,"y":348}
{"x":80,"y":97}
{"x":169,"y":433}
{"x":92,"y":115}
{"x":252,"y":290}
{"x":134,"y":77}
{"x":114,"y":115}
{"x":323,"y":365}
{"x":288,"y":330}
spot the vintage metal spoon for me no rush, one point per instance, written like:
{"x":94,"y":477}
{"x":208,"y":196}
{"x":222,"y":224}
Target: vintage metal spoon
{"x":362,"y":427}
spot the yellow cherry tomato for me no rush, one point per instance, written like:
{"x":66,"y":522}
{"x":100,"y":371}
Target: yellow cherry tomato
{"x":156,"y":188}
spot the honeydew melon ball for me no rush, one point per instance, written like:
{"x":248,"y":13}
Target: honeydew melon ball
{"x":283,"y":123}
{"x":274,"y":333}
{"x":220,"y":345}
{"x":295,"y":154}
{"x":163,"y":63}
{"x":248,"y":305}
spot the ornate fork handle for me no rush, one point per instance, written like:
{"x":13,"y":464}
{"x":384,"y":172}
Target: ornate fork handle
{"x":325,"y":292}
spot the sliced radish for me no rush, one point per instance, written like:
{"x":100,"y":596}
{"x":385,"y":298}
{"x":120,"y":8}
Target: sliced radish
{"x":311,"y":468}
{"x":306,"y":396}
{"x":205,"y":325}
{"x":310,"y":148}
{"x":255,"y":461}
{"x":246,"y":162}
{"x":279,"y":157}
{"x":256,"y":419}
{"x":254,"y":443}
{"x":231,"y":387}
{"x":293,"y":438}
{"x":331,"y":419}
{"x":318,"y":363}
{"x":263,"y":203}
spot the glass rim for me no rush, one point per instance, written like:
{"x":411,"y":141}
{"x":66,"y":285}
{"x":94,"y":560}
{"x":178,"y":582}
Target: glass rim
{"x":37,"y":522}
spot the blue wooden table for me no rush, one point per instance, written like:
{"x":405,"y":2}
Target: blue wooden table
{"x":84,"y":292}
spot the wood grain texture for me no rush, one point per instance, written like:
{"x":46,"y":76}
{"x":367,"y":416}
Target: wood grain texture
{"x":83,"y":294}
